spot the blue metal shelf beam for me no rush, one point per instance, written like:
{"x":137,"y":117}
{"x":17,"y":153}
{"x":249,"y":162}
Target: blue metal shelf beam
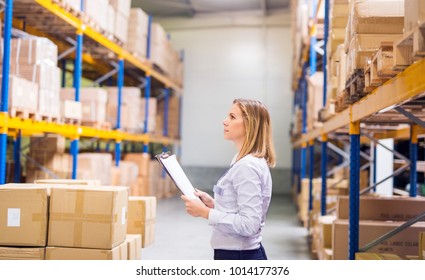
{"x":324,"y":171}
{"x":413,"y":159}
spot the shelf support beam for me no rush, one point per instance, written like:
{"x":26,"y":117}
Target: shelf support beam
{"x":413,"y":159}
{"x":353,"y":231}
{"x":324,"y":173}
{"x":119,"y":101}
{"x":311,"y":175}
{"x":4,"y":106}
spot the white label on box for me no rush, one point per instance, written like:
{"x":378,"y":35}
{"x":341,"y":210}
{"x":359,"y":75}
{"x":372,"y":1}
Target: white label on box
{"x":13,"y":217}
{"x":124,"y":216}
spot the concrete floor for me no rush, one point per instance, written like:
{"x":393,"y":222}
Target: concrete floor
{"x":179,"y":236}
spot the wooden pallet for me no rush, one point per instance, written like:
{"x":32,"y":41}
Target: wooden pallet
{"x":410,"y":48}
{"x":98,"y":125}
{"x":71,"y":121}
{"x":23,"y":113}
{"x":354,"y":86}
{"x":49,"y":118}
{"x":340,"y":102}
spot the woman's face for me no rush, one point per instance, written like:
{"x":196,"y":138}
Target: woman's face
{"x":234,"y":129}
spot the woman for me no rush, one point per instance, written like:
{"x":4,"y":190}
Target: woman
{"x":242,"y":195}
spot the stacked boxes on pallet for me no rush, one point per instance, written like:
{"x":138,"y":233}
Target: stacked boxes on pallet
{"x":132,"y":109}
{"x":137,"y":32}
{"x":95,"y":166}
{"x":173,"y":117}
{"x":93,"y":101}
{"x":122,"y":13}
{"x":23,"y":97}
{"x":126,"y":174}
{"x":35,"y":59}
{"x":74,"y":222}
{"x":370,"y":23}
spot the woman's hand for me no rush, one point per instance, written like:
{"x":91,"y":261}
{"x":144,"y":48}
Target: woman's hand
{"x":195,"y":207}
{"x":206,"y":198}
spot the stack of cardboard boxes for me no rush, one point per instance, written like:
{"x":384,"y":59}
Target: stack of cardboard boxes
{"x":70,"y":222}
{"x":142,"y":161}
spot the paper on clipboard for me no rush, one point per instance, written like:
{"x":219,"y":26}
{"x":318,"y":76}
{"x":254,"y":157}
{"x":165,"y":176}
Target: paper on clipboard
{"x":176,"y":173}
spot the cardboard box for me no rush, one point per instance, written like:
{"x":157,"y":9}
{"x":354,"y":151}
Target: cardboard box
{"x":122,"y":6}
{"x":383,"y":208}
{"x":376,"y":256}
{"x":62,"y":253}
{"x":376,"y":17}
{"x":21,"y":253}
{"x":88,"y":217}
{"x":23,"y":215}
{"x":134,"y":246}
{"x":142,"y":218}
{"x":402,"y":244}
{"x":98,"y":164}
{"x":414,"y":13}
{"x":325,"y":230}
{"x":32,"y":50}
{"x":71,"y":110}
{"x":48,"y":144}
{"x":142,"y":160}
{"x":67,"y":182}
{"x":23,"y":94}
{"x":93,"y":102}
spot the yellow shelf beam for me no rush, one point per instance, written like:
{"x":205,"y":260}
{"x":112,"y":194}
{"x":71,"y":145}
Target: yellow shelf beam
{"x":70,"y":131}
{"x":405,"y":86}
{"x":101,"y":39}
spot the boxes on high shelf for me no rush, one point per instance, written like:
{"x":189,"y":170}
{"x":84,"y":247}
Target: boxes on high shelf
{"x":137,"y":32}
{"x":121,"y":27}
{"x":22,"y":253}
{"x":362,"y":47}
{"x":111,"y":19}
{"x":97,"y":10}
{"x":142,"y":218}
{"x":122,"y":6}
{"x":24,"y":215}
{"x":315,"y":98}
{"x":74,"y":4}
{"x":414,"y":14}
{"x":383,"y":208}
{"x":133,"y":108}
{"x":93,"y":101}
{"x":376,"y":17}
{"x":402,"y":244}
{"x":23,"y":94}
{"x":31,"y":51}
{"x":98,"y":164}
{"x":88,"y":217}
{"x":119,"y":252}
{"x":134,"y":246}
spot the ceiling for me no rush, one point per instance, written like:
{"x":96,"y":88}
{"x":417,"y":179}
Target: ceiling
{"x":190,"y":8}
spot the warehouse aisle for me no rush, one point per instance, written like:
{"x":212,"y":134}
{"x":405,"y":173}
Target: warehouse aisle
{"x":182,"y":237}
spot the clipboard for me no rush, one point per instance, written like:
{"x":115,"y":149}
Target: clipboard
{"x":175,"y":172}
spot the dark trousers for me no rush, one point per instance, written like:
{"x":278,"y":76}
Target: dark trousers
{"x":256,"y":254}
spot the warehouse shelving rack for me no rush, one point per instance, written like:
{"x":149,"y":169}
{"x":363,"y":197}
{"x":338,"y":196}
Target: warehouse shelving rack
{"x":392,"y":100}
{"x":98,"y":47}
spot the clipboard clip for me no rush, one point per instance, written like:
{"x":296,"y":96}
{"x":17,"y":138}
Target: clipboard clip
{"x":163,"y":155}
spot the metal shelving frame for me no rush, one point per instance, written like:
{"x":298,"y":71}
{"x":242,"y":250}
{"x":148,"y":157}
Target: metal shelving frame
{"x":407,"y":86}
{"x":16,"y":127}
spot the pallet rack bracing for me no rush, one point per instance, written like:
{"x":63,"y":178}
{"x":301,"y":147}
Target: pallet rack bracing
{"x":96,"y":43}
{"x":386,"y":112}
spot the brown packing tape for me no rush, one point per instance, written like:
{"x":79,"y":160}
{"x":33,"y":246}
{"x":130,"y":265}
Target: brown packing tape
{"x":140,"y":224}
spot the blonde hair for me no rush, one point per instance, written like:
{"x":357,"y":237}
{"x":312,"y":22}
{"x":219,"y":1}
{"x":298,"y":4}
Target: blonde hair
{"x":258,"y":138}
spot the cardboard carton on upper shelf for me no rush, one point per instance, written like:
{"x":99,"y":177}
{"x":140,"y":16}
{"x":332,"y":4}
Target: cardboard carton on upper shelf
{"x":88,"y":217}
{"x":414,"y":14}
{"x":23,"y":95}
{"x":23,"y":215}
